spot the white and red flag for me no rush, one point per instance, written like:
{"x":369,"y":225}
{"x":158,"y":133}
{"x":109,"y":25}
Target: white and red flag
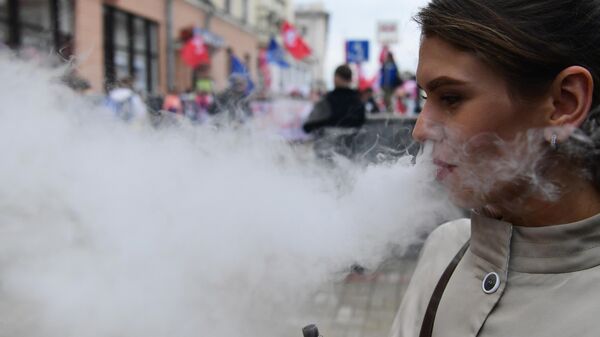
{"x":293,"y":42}
{"x":194,"y":51}
{"x":364,"y":82}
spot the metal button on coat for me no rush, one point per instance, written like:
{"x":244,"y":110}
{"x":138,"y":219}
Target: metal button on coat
{"x":491,"y":283}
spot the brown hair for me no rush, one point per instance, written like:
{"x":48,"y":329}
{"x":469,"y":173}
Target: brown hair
{"x":344,"y":72}
{"x":529,"y":42}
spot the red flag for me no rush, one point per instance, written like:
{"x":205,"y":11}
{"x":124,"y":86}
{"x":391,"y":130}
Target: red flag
{"x":194,"y":52}
{"x":293,"y":42}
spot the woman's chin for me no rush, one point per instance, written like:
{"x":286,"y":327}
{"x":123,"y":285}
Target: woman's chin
{"x":465,"y":202}
{"x":463,"y":197}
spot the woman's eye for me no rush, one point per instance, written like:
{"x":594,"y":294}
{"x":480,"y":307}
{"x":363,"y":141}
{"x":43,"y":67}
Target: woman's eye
{"x":451,"y":99}
{"x":423,"y":96}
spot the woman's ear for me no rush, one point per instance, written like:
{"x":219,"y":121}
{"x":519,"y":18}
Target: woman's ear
{"x":572,"y":94}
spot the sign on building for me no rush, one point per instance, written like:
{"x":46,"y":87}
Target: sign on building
{"x":357,"y":51}
{"x":387,"y":32}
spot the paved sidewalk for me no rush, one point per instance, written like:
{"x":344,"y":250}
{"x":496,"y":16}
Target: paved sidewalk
{"x":363,"y":305}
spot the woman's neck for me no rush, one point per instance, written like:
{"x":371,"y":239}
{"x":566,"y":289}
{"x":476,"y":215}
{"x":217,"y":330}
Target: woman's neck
{"x":579,"y":199}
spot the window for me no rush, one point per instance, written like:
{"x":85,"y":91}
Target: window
{"x":3,"y":21}
{"x":35,"y":14}
{"x":131,"y":49}
{"x":303,"y":30}
{"x":154,"y":67}
{"x":65,"y":27}
{"x":42,"y":24}
{"x":3,"y":32}
{"x":66,"y":18}
{"x":121,"y":34}
{"x":36,"y":24}
{"x":3,"y":9}
{"x":245,"y":11}
{"x":227,"y":6}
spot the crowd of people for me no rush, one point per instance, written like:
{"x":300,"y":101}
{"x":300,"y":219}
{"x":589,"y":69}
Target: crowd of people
{"x":348,"y":107}
{"x":344,"y":106}
{"x":196,"y":104}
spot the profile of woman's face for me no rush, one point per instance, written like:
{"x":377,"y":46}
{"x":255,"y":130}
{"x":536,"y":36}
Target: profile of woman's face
{"x":476,"y":127}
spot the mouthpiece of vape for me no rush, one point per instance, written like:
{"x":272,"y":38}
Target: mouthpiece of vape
{"x":310,"y":331}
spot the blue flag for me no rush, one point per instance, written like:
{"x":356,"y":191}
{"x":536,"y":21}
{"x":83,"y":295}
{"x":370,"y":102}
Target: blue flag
{"x":238,"y":68}
{"x":275,"y":55}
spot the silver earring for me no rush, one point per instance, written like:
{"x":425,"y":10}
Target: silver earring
{"x":554,"y":142}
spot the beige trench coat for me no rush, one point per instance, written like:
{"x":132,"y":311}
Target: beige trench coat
{"x":549,"y":281}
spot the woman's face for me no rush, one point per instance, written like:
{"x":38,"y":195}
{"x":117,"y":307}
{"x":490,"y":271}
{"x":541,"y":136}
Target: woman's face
{"x":474,"y":124}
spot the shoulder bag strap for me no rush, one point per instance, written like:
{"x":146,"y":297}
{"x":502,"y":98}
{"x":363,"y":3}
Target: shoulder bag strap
{"x":434,"y":302}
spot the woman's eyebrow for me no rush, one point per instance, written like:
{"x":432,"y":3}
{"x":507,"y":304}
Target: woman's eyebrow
{"x":442,"y":81}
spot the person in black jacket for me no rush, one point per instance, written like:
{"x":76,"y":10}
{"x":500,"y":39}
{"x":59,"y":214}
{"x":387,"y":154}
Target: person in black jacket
{"x":341,"y":107}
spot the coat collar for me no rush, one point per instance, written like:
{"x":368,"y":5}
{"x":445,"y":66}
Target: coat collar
{"x":537,"y":250}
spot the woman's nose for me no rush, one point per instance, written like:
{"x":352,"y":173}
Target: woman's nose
{"x":419,"y":133}
{"x":426,"y":128}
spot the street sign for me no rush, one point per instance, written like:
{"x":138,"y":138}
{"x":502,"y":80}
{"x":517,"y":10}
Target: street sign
{"x":357,"y":51}
{"x":387,"y":32}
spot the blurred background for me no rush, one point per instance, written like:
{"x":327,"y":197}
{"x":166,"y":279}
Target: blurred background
{"x":269,"y":61}
{"x":283,"y":48}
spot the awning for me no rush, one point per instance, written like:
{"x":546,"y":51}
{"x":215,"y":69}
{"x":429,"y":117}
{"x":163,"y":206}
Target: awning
{"x":212,"y":39}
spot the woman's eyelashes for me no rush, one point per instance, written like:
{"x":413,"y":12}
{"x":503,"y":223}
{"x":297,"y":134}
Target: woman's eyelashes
{"x":451,"y":100}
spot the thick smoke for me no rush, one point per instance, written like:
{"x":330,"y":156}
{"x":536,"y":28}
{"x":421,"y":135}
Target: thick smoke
{"x":114,"y":229}
{"x":522,"y":171}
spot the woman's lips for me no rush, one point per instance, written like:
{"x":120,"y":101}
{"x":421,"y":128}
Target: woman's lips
{"x":443,"y":169}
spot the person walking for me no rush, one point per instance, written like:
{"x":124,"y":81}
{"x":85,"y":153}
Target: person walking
{"x":389,"y":80}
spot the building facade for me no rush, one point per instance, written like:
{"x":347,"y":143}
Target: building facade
{"x":230,"y":24}
{"x":113,"y":39}
{"x":268,"y":16}
{"x":312,"y":21}
{"x":108,"y":40}
{"x":35,"y":24}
